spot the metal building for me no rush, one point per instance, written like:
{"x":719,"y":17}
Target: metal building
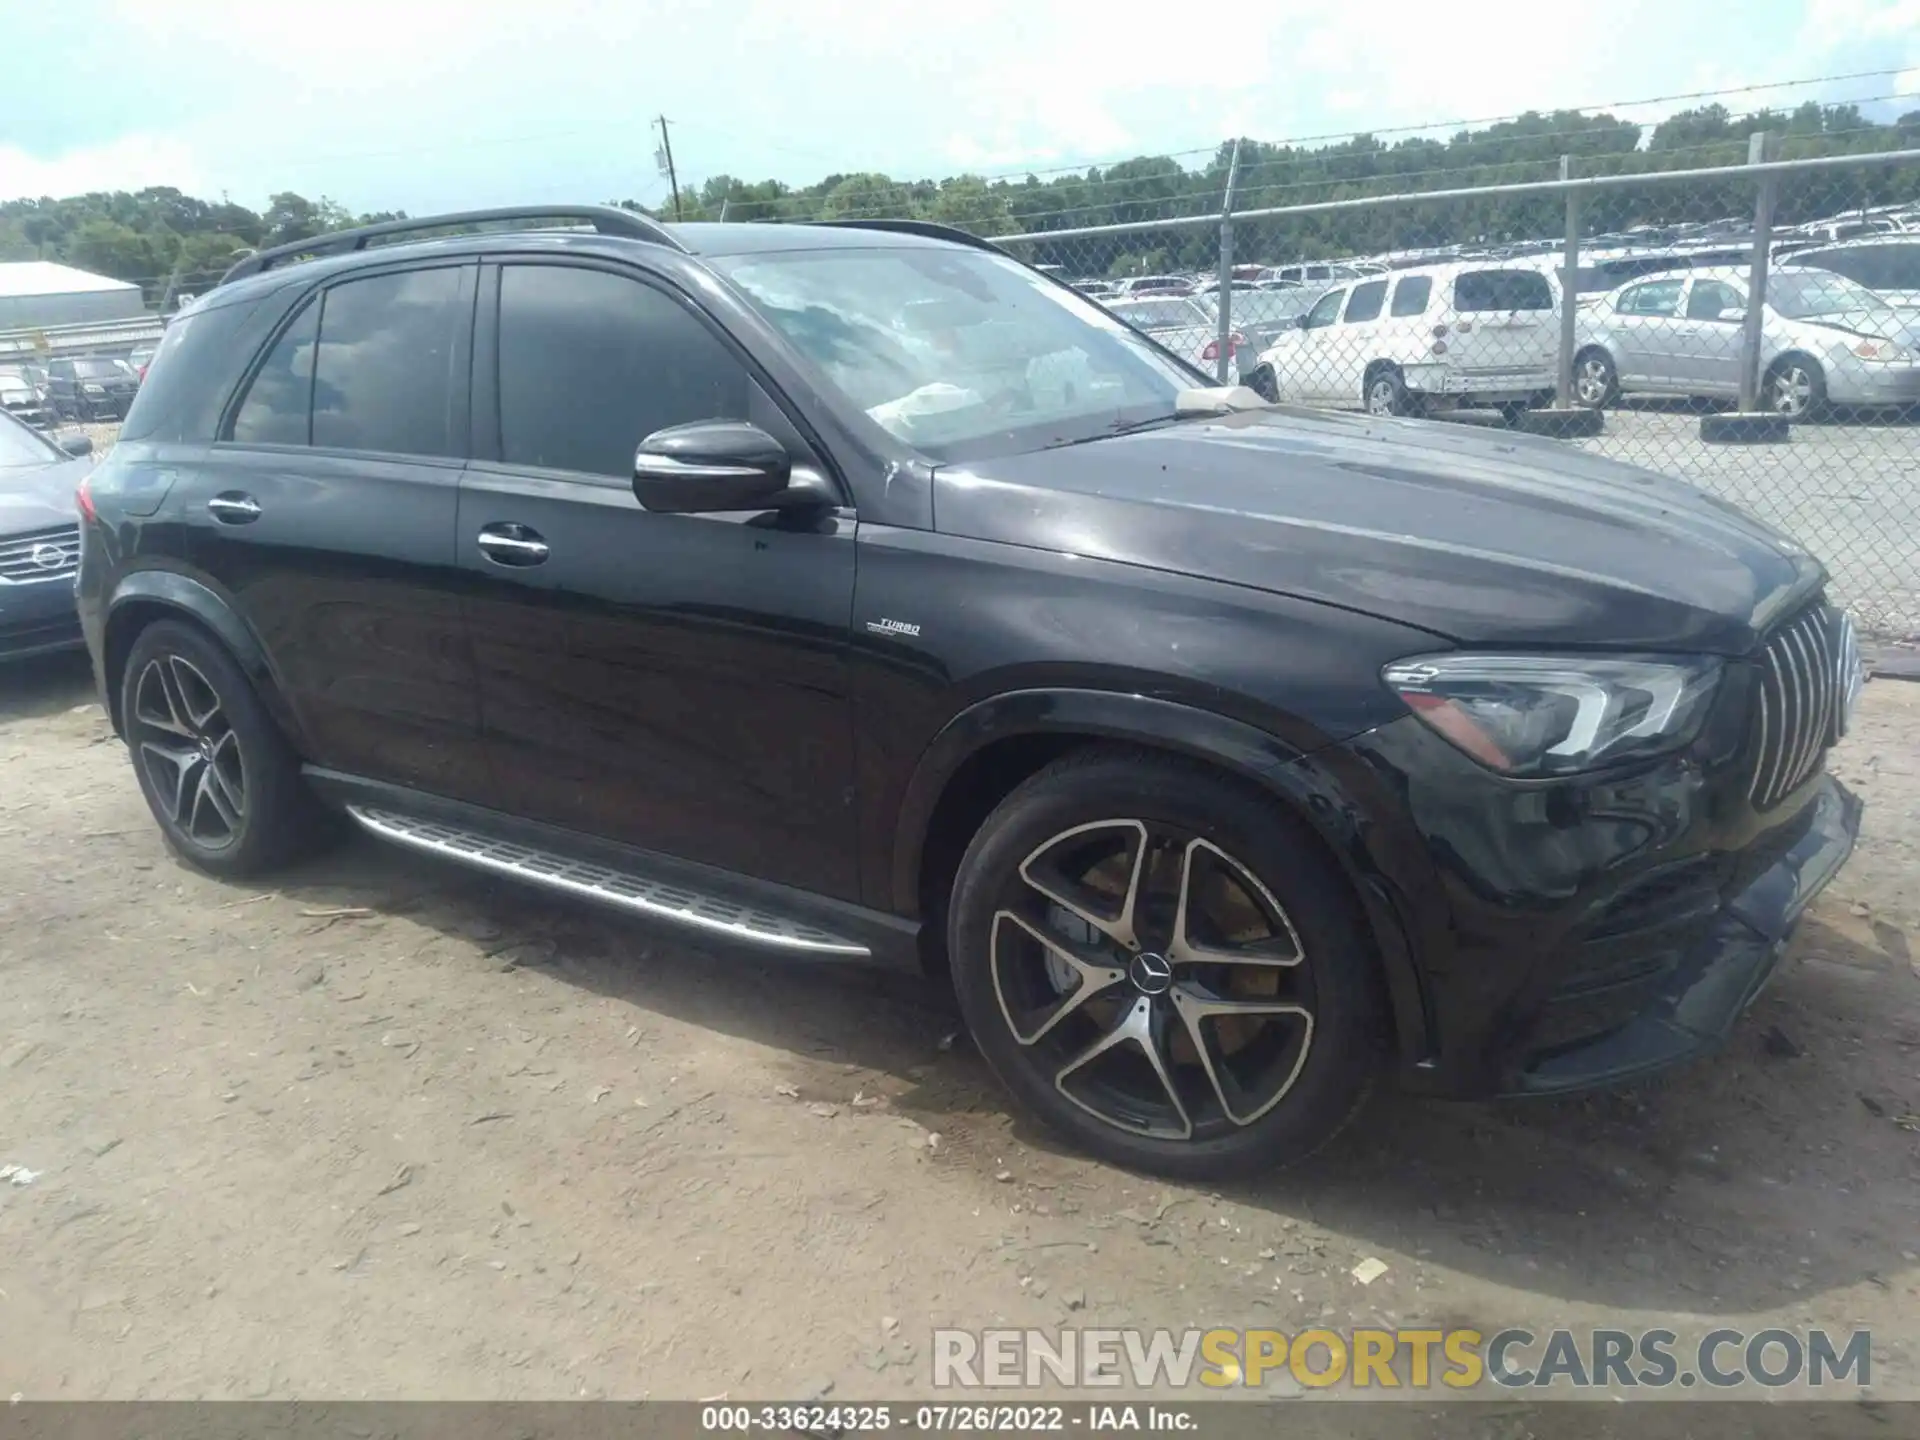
{"x":36,"y":294}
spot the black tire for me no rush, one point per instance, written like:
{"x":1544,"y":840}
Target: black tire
{"x":1514,"y":412}
{"x":1596,"y":382}
{"x":1318,"y":1064}
{"x":1263,"y":382}
{"x":1795,"y":387}
{"x":1384,"y":392}
{"x":222,"y":781}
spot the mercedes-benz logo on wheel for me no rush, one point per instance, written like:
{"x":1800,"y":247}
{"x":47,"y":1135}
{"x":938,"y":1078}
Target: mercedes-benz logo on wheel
{"x":48,"y":557}
{"x":1151,"y":974}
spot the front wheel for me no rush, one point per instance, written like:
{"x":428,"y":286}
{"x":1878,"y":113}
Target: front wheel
{"x":217,"y":773}
{"x":1165,"y":967}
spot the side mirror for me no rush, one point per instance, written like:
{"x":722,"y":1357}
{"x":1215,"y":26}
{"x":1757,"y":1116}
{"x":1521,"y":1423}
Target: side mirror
{"x":75,"y":444}
{"x":711,"y":465}
{"x":1300,"y":321}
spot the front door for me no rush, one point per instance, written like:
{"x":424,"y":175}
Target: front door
{"x":326,"y":510}
{"x":1707,"y":340}
{"x":1316,"y":361}
{"x":1643,"y":328}
{"x":674,"y":682}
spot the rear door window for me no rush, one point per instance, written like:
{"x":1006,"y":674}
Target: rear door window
{"x":1656,"y":297}
{"x":278,"y":409}
{"x":1411,"y":294}
{"x":384,"y":377}
{"x":1366,"y":301}
{"x":1710,"y":297}
{"x":1477,"y":290}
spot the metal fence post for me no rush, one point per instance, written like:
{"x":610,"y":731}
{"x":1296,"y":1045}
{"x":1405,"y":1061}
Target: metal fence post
{"x":1762,"y":148}
{"x":1224,"y":360}
{"x":1569,"y":291}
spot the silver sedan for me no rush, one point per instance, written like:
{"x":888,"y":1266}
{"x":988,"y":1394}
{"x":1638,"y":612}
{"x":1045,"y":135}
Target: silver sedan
{"x":1824,"y":341}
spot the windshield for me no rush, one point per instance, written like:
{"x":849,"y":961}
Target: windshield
{"x":99,"y":369}
{"x":961,"y":354}
{"x":1802,"y":297}
{"x":21,"y":449}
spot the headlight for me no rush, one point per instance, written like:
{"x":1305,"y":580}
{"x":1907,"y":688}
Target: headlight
{"x":1531,"y":715}
{"x":1879,"y":350}
{"x":94,"y":389}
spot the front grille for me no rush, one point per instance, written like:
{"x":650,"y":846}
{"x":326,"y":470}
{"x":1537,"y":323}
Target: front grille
{"x":49,"y":555}
{"x":1809,"y":668}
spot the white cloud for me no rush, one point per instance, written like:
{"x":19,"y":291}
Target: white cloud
{"x":129,"y":163}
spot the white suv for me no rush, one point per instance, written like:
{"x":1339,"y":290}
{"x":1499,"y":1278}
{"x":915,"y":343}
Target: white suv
{"x":1421,"y":338}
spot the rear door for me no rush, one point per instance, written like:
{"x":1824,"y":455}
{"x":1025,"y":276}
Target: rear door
{"x":1642,"y":326}
{"x":1504,"y":328}
{"x":326,"y":510}
{"x":673,"y":682}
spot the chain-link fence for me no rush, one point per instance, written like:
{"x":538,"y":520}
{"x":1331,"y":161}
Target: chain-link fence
{"x":1754,"y":329}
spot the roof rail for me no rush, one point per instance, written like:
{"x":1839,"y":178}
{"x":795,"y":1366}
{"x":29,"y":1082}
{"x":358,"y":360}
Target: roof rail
{"x":932,"y":229}
{"x":605,"y":219}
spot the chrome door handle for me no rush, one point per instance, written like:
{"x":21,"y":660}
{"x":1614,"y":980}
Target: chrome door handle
{"x":232,"y":508}
{"x":513,"y":545}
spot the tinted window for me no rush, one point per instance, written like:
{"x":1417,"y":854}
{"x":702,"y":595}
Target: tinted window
{"x":1411,"y":293}
{"x":1502,"y":290}
{"x":1656,"y":297}
{"x":1328,"y":308}
{"x":1366,"y":301}
{"x":592,"y":363}
{"x":384,"y":378}
{"x":1710,"y":297}
{"x":276,"y":408}
{"x":192,"y":373}
{"x":99,"y":369}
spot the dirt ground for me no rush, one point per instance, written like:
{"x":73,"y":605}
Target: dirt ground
{"x":387,"y":1129}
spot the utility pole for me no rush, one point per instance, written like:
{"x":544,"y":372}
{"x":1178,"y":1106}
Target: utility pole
{"x":665,"y":160}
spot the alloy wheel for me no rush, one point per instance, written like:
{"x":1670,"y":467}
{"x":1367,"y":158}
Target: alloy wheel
{"x":1153,"y":979}
{"x":1594,"y":381}
{"x":1382,"y":396}
{"x":1792,"y":390}
{"x":189,"y":752}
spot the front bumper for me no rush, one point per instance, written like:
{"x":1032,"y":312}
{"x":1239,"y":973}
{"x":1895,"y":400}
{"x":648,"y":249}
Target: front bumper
{"x":1714,"y":984}
{"x":38,"y":618}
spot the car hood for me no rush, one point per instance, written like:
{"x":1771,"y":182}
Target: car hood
{"x":1485,"y":538}
{"x":40,"y":498}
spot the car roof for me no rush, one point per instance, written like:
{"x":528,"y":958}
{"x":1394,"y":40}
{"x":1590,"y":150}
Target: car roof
{"x":701,"y":240}
{"x":1858,"y":242}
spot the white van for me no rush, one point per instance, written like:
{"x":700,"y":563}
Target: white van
{"x":1421,"y":338}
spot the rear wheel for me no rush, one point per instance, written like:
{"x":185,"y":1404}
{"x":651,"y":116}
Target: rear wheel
{"x":1385,"y":392}
{"x":1164,"y":967}
{"x":1596,"y":384}
{"x":217,"y":773}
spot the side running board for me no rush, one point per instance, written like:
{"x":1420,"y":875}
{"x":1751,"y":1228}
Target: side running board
{"x":655,"y":898}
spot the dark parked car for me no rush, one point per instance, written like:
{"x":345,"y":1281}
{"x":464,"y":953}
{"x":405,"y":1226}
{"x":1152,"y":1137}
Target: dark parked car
{"x":856,"y":591}
{"x":91,"y":388}
{"x":39,"y":540}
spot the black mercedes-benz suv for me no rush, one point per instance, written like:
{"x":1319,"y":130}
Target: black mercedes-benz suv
{"x":857,"y":591}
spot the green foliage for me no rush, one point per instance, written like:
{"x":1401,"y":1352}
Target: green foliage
{"x":169,"y":242}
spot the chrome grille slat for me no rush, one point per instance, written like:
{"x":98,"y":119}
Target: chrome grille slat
{"x":21,"y":555}
{"x":1803,"y":693}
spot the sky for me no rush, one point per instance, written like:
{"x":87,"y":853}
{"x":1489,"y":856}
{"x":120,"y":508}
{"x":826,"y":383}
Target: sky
{"x":428,"y":105}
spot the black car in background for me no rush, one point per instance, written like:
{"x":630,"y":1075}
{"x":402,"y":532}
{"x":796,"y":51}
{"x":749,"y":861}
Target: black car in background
{"x":856,"y":591}
{"x":91,"y":387}
{"x":39,"y":540}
